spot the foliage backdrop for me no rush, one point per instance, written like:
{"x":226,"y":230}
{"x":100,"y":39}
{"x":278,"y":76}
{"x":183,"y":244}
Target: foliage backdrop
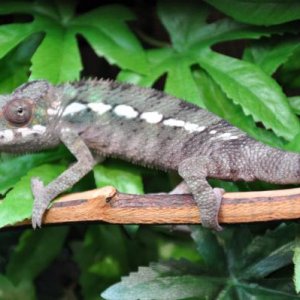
{"x":238,"y":59}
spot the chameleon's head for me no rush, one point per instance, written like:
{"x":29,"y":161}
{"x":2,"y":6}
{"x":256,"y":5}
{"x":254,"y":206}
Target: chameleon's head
{"x":24,"y":117}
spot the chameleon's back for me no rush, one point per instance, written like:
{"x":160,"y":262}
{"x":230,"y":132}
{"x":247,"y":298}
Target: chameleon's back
{"x":144,"y":125}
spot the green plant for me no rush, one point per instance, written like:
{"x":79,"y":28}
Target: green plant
{"x":186,"y":49}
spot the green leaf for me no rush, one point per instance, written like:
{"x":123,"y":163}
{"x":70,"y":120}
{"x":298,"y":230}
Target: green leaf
{"x":123,"y":178}
{"x":98,"y":251}
{"x":182,"y":21}
{"x":27,"y":7}
{"x":13,"y":34}
{"x":66,"y":9}
{"x":23,"y":291}
{"x":22,"y":164}
{"x":258,"y":94}
{"x":279,"y":258}
{"x":294,"y":144}
{"x":209,"y":248}
{"x":17,"y":205}
{"x":190,"y":35}
{"x":40,"y":248}
{"x":131,"y":229}
{"x":288,"y":74}
{"x":186,"y":25}
{"x":216,"y":101}
{"x":296,"y":261}
{"x":102,"y":259}
{"x":269,"y":55}
{"x":162,"y":281}
{"x":295,"y":104}
{"x":263,"y":293}
{"x":105,"y":30}
{"x":58,"y":58}
{"x":269,"y":252}
{"x":259,"y":12}
{"x":181,"y":72}
{"x":15,"y":65}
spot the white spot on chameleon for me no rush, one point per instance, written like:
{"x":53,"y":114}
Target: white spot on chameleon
{"x":126,"y":111}
{"x":227,"y":136}
{"x":74,"y":108}
{"x":55,"y":104}
{"x":100,"y":108}
{"x":191,"y":127}
{"x":188,"y":126}
{"x":40,"y":129}
{"x":25,"y":131}
{"x":200,"y":128}
{"x":52,"y":112}
{"x":174,"y":123}
{"x":213,"y":132}
{"x":6,"y":135}
{"x":152,"y":117}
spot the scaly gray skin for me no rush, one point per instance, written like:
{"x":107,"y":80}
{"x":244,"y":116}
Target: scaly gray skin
{"x":98,"y":118}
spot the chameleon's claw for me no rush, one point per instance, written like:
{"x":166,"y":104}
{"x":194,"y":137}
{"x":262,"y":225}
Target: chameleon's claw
{"x":39,"y":207}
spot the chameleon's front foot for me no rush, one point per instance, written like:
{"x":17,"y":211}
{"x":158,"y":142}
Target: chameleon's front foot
{"x":40,"y":203}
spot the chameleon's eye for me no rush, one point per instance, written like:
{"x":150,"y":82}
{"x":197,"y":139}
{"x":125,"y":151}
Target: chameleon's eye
{"x":18,"y":112}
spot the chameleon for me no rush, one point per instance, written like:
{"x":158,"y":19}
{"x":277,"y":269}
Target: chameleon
{"x":99,"y":118}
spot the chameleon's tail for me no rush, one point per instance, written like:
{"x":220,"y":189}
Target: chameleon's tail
{"x":277,"y":166}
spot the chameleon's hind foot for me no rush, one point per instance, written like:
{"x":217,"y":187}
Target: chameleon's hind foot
{"x":40,"y":203}
{"x":194,"y":171}
{"x":219,"y":192}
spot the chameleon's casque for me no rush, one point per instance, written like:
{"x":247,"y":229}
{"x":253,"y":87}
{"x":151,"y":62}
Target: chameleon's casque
{"x":98,"y":118}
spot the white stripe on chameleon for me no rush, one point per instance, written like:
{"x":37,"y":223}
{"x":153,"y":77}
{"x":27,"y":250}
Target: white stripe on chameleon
{"x":99,"y":108}
{"x":6,"y":135}
{"x":74,"y":108}
{"x":122,"y":110}
{"x":152,"y":117}
{"x":125,"y":111}
{"x":174,"y":123}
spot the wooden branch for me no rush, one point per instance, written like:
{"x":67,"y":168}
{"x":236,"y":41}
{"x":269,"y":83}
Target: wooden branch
{"x":107,"y":205}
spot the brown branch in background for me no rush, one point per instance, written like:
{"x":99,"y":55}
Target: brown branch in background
{"x":107,"y":205}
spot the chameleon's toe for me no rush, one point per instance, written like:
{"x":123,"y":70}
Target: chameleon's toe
{"x":36,"y":220}
{"x":37,"y":213}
